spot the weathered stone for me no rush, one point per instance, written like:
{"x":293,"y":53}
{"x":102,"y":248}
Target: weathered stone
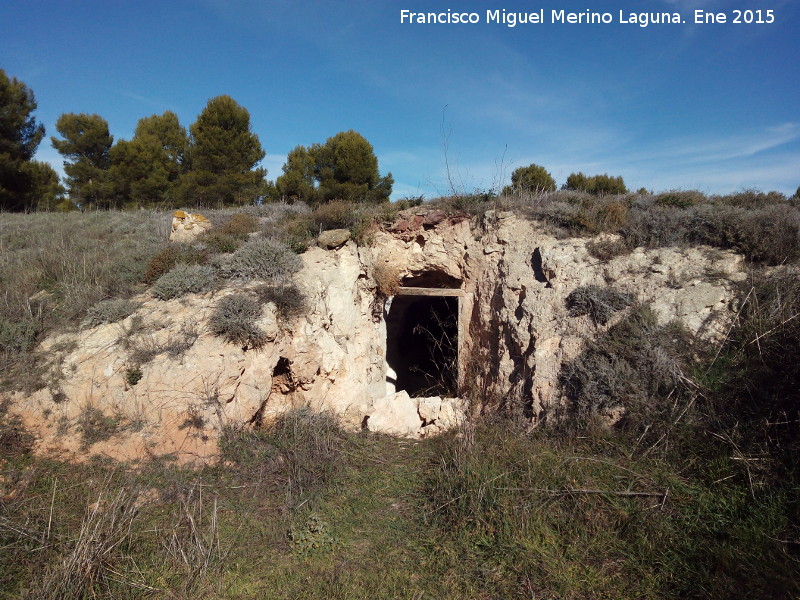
{"x":333,"y":238}
{"x":429,"y":408}
{"x":395,"y":415}
{"x":186,"y":226}
{"x":434,"y":217}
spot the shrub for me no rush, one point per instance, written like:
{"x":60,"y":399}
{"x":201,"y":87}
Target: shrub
{"x":298,"y":452}
{"x":636,"y":366}
{"x":599,"y":185}
{"x":387,"y":279}
{"x":651,"y":226}
{"x":166,"y":259}
{"x":218,"y":241}
{"x":757,"y":375}
{"x":680,"y":199}
{"x":109,"y":311}
{"x":530,"y":179}
{"x":18,"y":336}
{"x":184,"y":279}
{"x":607,"y":249}
{"x":288,"y":299}
{"x":409,"y":202}
{"x":234,"y":319}
{"x":770,"y":234}
{"x":264,"y":259}
{"x":95,"y":426}
{"x":240,"y":225}
{"x":133,"y":375}
{"x":751,"y":199}
{"x":15,"y":440}
{"x":600,"y":303}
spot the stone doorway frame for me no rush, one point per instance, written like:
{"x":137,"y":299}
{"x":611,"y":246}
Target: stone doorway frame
{"x":462,"y":320}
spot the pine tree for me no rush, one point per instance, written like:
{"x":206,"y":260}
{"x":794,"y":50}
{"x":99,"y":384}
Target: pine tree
{"x":20,"y":135}
{"x":86,"y":146}
{"x":145,"y":169}
{"x":222,"y":157}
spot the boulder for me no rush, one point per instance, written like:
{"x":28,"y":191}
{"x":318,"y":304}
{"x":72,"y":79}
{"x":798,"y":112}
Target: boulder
{"x":333,"y":238}
{"x":395,"y":415}
{"x":434,"y":218}
{"x":187,"y":226}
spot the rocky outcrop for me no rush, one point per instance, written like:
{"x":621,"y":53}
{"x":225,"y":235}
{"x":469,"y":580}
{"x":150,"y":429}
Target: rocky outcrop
{"x":169,"y":387}
{"x":333,"y":238}
{"x":187,"y":226}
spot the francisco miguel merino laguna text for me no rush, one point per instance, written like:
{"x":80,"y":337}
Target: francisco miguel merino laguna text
{"x":512,"y":19}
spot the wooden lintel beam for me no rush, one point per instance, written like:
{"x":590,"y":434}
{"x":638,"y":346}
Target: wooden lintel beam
{"x":422,"y":291}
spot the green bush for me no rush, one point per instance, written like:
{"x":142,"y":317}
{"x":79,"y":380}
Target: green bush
{"x":184,"y":279}
{"x":234,"y":319}
{"x":680,"y":199}
{"x":533,"y":179}
{"x":18,"y":336}
{"x":600,"y":303}
{"x":109,"y":311}
{"x":264,"y":259}
{"x":599,"y":185}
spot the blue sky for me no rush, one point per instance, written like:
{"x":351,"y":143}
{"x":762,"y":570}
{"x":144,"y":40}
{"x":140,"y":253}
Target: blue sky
{"x":709,"y":107}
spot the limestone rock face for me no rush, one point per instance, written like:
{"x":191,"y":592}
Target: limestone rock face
{"x":187,"y":226}
{"x":333,"y":238}
{"x":516,"y":333}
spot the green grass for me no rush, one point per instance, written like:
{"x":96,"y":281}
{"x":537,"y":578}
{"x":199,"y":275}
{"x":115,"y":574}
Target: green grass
{"x":305,"y":510}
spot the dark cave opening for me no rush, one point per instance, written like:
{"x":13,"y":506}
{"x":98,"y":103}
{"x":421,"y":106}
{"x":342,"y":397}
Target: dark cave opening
{"x":422,"y":345}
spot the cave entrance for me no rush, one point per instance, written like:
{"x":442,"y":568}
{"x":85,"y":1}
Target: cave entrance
{"x":423,"y":338}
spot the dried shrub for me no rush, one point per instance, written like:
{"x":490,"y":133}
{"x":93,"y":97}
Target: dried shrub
{"x":91,"y":567}
{"x":768,"y":234}
{"x":607,"y":249}
{"x":184,"y":279}
{"x":15,"y":440}
{"x":240,"y":225}
{"x":756,"y":378}
{"x":657,"y":226}
{"x":611,"y":216}
{"x":289,"y":300}
{"x":751,"y":199}
{"x":264,"y":259}
{"x":636,"y":368}
{"x":387,"y":279}
{"x":166,"y":259}
{"x":109,"y":311}
{"x":600,"y":303}
{"x":298,"y":452}
{"x":95,"y":426}
{"x":234,"y":319}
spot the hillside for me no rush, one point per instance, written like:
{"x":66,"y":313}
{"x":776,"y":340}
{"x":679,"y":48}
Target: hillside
{"x":596,"y":396}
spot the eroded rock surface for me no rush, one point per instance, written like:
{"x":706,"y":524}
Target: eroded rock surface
{"x":167,"y":386}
